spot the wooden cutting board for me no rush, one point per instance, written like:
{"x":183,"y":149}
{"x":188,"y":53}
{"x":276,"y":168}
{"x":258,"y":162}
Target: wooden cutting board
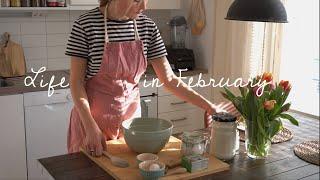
{"x":169,"y":155}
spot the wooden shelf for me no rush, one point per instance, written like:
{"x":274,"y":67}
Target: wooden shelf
{"x":30,"y":9}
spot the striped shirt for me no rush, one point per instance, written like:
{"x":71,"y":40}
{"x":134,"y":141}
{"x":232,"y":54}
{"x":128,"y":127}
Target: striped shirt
{"x":87,"y":38}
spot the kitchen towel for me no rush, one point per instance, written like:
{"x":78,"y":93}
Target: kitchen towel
{"x":12,"y":60}
{"x":197,"y":17}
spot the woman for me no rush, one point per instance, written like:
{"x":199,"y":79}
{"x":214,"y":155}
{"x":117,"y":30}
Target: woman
{"x":109,"y":47}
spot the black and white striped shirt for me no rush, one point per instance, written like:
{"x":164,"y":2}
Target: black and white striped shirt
{"x":87,"y":38}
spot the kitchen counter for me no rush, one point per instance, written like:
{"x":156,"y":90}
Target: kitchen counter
{"x":281,"y":164}
{"x":17,"y":85}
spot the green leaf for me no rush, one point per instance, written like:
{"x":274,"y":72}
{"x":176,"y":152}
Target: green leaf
{"x":226,"y":96}
{"x":243,"y":91}
{"x":229,"y":93}
{"x":290,"y":118}
{"x":285,"y":107}
{"x":275,"y":127}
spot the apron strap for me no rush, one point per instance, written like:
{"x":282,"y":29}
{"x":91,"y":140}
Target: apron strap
{"x":105,"y":24}
{"x":136,"y":33}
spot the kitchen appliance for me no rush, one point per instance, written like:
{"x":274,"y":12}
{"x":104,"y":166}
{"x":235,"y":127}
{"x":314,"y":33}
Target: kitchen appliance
{"x":148,"y":101}
{"x":178,"y":25}
{"x":47,"y":121}
{"x":181,"y":59}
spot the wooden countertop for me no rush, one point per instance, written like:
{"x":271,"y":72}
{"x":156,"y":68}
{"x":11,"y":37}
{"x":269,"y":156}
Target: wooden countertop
{"x":281,"y":164}
{"x":17,"y":83}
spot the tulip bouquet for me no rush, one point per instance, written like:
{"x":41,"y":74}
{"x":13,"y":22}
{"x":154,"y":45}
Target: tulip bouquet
{"x":262,"y":108}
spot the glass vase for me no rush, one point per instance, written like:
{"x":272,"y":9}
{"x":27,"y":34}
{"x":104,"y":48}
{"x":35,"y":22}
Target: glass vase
{"x":257,"y":144}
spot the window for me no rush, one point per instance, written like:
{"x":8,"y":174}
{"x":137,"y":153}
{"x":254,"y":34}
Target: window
{"x":299,"y":54}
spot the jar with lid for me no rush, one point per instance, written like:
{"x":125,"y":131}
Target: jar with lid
{"x":224,"y":137}
{"x":5,"y":3}
{"x":15,"y":3}
{"x":193,"y":143}
{"x":25,"y":3}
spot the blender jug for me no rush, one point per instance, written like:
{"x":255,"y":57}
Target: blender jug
{"x":178,"y":27}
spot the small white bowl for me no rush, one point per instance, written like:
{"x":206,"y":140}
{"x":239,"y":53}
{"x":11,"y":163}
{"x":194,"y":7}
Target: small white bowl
{"x":146,"y":173}
{"x":146,"y":157}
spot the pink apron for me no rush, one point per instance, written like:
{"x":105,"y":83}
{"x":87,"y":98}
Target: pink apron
{"x":113,"y":93}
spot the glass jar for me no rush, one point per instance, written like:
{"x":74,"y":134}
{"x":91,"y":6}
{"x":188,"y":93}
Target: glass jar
{"x":225,"y":136}
{"x":15,"y":3}
{"x":25,"y":3}
{"x":193,"y":143}
{"x":5,"y":3}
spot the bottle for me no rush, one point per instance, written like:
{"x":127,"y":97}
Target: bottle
{"x":61,"y":3}
{"x":5,"y":3}
{"x":43,"y":3}
{"x":52,"y":3}
{"x":35,"y":3}
{"x":25,"y":3}
{"x":15,"y":3}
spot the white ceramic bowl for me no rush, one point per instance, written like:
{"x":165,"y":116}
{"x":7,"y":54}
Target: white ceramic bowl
{"x":146,"y":157}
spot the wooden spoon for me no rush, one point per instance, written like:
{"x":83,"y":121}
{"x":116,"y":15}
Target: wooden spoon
{"x":117,"y":161}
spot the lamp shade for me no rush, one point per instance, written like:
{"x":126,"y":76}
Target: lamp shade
{"x":257,"y":10}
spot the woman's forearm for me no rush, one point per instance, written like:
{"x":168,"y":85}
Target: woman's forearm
{"x":82,"y":105}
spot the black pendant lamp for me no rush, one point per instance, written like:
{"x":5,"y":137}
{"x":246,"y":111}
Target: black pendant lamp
{"x":257,"y":10}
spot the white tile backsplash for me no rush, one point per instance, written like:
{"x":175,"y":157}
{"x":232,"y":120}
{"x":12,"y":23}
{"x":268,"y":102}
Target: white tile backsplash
{"x":33,"y":40}
{"x":36,"y":64}
{"x":56,"y":52}
{"x":57,"y":39}
{"x":57,"y":27}
{"x":32,"y":53}
{"x":12,"y":28}
{"x":44,"y":38}
{"x":58,"y":64}
{"x":30,"y":28}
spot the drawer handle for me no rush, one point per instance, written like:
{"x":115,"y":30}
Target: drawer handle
{"x":178,"y":103}
{"x":181,"y":119}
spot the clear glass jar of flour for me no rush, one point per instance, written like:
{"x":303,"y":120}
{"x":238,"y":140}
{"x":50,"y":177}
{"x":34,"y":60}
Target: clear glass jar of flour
{"x":224,"y":136}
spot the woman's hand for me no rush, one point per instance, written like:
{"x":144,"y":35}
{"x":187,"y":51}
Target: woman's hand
{"x":95,"y":142}
{"x":221,"y":107}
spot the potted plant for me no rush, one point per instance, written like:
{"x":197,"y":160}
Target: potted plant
{"x":262,"y":105}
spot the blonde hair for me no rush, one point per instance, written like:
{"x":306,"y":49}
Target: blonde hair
{"x":104,"y":2}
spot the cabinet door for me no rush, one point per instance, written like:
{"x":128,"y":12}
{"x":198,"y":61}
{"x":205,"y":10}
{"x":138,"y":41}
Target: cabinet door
{"x":84,"y":2}
{"x":186,"y":120}
{"x":12,"y":138}
{"x":46,"y":132}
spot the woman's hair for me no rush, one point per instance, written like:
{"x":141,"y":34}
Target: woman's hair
{"x":104,"y":2}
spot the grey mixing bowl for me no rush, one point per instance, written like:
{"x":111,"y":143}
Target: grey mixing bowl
{"x":147,"y":135}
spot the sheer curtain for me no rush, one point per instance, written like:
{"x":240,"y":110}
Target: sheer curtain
{"x":243,"y":49}
{"x":231,"y":49}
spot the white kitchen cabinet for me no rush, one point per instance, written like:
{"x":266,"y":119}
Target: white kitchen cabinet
{"x":12,"y":138}
{"x":47,"y":120}
{"x":185,"y":120}
{"x":184,"y":115}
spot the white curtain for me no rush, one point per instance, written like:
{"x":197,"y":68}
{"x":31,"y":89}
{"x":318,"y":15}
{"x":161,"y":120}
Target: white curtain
{"x":231,"y":49}
{"x":235,"y":52}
